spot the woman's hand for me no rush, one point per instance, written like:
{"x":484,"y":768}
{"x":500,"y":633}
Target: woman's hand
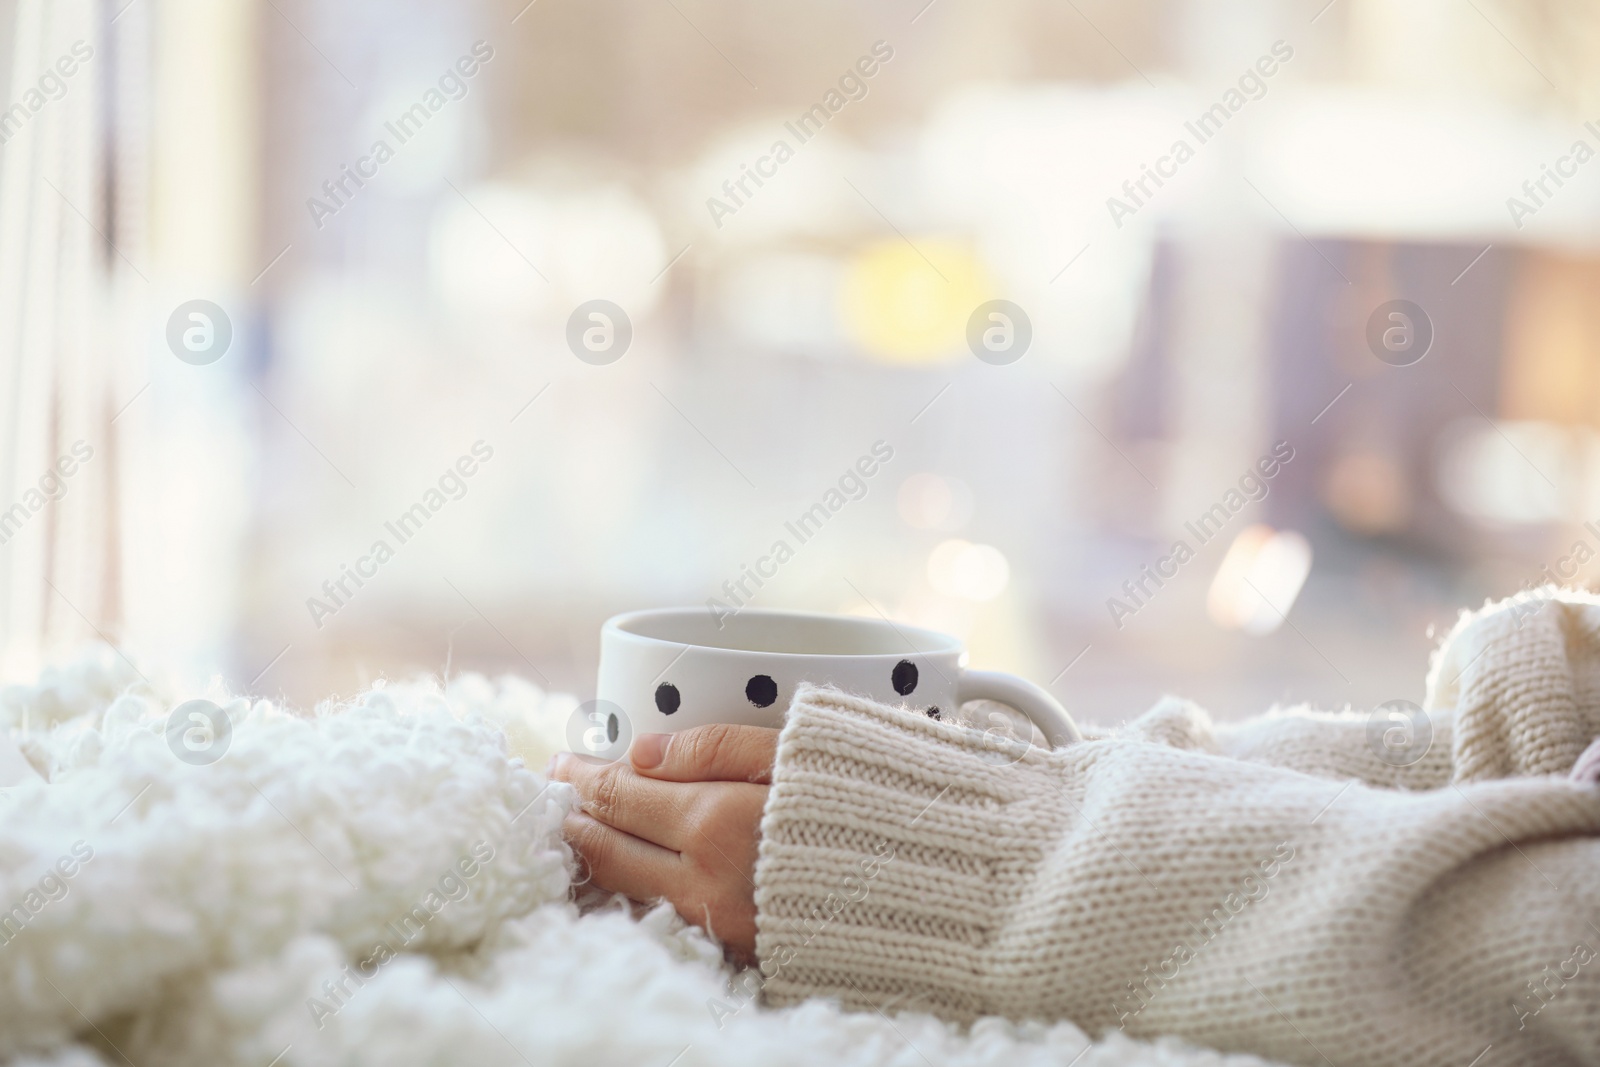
{"x":679,"y":819}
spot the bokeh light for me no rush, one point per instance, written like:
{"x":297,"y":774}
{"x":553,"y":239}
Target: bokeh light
{"x":1255,"y":588}
{"x":1174,"y":344}
{"x":970,"y":571}
{"x":929,"y":501}
{"x":906,"y":304}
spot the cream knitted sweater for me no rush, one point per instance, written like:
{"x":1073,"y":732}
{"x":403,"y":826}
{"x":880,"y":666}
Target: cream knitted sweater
{"x":1221,"y":884}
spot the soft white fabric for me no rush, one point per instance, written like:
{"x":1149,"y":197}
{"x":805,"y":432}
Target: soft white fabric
{"x":221,"y":901}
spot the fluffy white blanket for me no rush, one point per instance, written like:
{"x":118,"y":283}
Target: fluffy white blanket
{"x":380,"y":881}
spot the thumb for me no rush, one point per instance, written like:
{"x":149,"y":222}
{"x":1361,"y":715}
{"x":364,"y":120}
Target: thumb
{"x":715,"y":753}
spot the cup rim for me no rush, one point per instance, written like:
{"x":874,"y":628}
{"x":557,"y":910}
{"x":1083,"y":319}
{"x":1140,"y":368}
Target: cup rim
{"x":623,"y":627}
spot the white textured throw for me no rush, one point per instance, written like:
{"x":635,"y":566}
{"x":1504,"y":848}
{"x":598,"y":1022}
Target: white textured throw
{"x":1223,"y":885}
{"x":324,"y":894}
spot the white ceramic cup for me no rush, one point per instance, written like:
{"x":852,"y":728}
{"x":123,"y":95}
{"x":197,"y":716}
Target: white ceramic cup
{"x":673,"y":669}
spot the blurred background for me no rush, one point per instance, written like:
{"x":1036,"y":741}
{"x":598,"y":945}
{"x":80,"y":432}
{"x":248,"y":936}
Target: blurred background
{"x":1201,"y":213}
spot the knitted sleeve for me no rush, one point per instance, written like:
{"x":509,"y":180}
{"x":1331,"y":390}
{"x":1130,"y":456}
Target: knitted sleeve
{"x":1514,"y":690}
{"x":918,"y":865}
{"x":1522,"y":680}
{"x":1405,"y":749}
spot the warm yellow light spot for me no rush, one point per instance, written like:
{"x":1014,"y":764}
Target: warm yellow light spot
{"x":904,"y":308}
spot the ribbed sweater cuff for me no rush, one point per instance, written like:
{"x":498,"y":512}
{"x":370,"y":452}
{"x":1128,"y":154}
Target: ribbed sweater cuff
{"x":886,"y":858}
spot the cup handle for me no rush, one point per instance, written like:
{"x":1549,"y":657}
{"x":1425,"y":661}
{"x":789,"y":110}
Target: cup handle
{"x":1039,"y":706}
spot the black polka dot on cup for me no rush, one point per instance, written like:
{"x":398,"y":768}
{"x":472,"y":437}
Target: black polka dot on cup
{"x":904,"y":678}
{"x":599,"y":332}
{"x":199,"y":332}
{"x":599,"y":730}
{"x":667,"y":698}
{"x":999,"y":332}
{"x":761,"y":691}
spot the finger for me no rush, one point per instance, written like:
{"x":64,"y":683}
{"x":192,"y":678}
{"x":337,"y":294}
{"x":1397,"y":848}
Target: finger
{"x":715,"y":753}
{"x":620,"y":862}
{"x":658,"y":812}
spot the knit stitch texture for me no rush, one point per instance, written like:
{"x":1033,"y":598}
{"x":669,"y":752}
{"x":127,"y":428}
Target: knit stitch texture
{"x":1223,"y":884}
